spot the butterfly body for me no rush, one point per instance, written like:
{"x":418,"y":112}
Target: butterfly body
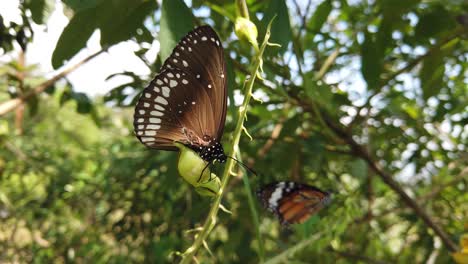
{"x":293,"y":202}
{"x":186,"y":102}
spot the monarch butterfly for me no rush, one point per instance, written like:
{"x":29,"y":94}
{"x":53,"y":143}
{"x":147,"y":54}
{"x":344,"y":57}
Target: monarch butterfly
{"x":293,"y":202}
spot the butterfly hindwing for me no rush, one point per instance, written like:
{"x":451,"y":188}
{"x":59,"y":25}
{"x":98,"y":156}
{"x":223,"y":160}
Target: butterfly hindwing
{"x":292,"y":202}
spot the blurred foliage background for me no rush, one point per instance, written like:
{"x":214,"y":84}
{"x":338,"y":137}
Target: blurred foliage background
{"x":368,"y":99}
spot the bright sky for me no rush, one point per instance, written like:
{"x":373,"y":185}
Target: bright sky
{"x":89,"y":78}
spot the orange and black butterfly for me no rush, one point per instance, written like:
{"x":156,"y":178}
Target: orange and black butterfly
{"x":292,"y":202}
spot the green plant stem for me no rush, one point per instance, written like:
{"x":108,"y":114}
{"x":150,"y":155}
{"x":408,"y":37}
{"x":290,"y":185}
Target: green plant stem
{"x":210,"y":221}
{"x":253,"y":211}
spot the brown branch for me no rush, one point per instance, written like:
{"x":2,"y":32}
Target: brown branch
{"x":388,"y":179}
{"x":10,"y":105}
{"x":426,"y":197}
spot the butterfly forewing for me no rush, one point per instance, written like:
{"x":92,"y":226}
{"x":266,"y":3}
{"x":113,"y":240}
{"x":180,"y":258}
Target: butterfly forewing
{"x":186,"y":101}
{"x":292,"y":202}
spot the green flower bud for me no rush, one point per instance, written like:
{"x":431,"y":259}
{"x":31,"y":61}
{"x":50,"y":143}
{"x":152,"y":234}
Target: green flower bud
{"x":191,"y":166}
{"x":246,"y":30}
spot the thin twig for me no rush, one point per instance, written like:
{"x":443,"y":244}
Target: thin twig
{"x":9,"y":105}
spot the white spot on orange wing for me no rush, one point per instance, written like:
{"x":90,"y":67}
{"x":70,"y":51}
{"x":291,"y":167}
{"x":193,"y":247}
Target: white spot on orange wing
{"x":209,"y":86}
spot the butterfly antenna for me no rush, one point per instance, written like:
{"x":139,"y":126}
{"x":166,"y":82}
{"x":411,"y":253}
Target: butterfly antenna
{"x":243,"y":165}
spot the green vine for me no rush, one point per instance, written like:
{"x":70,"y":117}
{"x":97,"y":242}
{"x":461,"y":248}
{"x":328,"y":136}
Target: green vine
{"x":210,"y":221}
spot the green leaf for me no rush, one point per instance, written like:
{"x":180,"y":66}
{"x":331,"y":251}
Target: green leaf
{"x":176,"y":22}
{"x":372,"y":60}
{"x":84,"y":104}
{"x":74,"y":36}
{"x":431,"y":75}
{"x":358,"y":168}
{"x":320,"y":16}
{"x":434,"y":22}
{"x":78,"y":5}
{"x":119,"y":20}
{"x":281,"y":32}
{"x":37,"y":8}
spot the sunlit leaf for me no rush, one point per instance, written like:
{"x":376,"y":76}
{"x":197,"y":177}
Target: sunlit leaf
{"x":176,"y":21}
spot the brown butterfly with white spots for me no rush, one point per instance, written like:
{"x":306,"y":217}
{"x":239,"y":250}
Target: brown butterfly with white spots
{"x":292,"y":202}
{"x":186,"y":102}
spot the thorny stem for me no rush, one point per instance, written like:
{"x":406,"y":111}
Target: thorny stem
{"x":210,"y":221}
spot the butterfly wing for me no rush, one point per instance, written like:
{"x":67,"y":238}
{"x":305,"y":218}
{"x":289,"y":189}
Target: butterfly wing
{"x":293,"y":202}
{"x":187,"y":100}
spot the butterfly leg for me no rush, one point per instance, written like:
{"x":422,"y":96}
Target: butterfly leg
{"x":203,"y":171}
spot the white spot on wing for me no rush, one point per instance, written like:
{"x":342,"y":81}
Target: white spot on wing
{"x":142,"y":112}
{"x":170,"y":75}
{"x":156,"y":113}
{"x":204,"y":38}
{"x":276,"y":196}
{"x":184,"y":63}
{"x":209,"y":86}
{"x":190,"y":49}
{"x":154,"y":120}
{"x":198,"y":76}
{"x":141,"y":126}
{"x":184,"y":81}
{"x":147,"y":95}
{"x":158,"y":107}
{"x":146,"y":104}
{"x":141,"y":120}
{"x":146,"y":139}
{"x":153,"y":126}
{"x":156,"y":89}
{"x":173,"y":83}
{"x":150,"y":133}
{"x":159,"y":82}
{"x":161,"y":100}
{"x":165,"y":91}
